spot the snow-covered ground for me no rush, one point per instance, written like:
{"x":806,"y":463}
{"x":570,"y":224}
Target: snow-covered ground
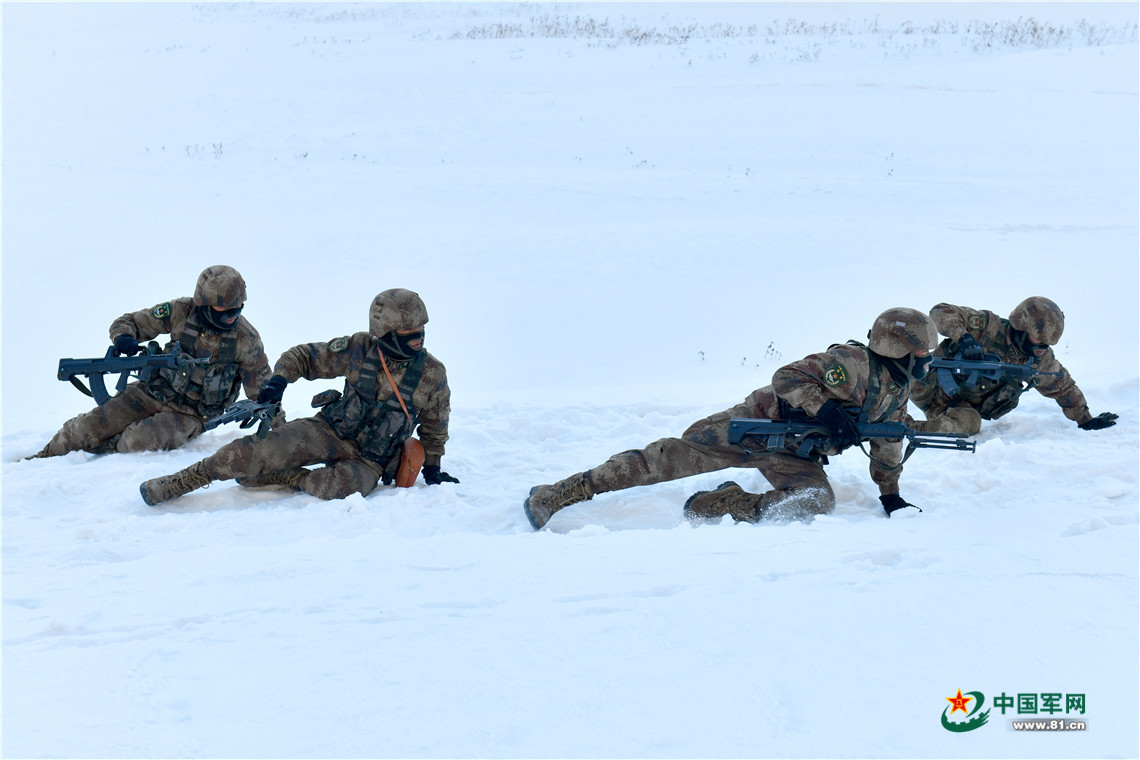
{"x":622,"y":218}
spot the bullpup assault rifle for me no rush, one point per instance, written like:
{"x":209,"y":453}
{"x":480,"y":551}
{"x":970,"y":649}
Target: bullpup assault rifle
{"x":248,"y":413}
{"x":773,"y":435}
{"x":957,"y":373}
{"x":140,"y":367}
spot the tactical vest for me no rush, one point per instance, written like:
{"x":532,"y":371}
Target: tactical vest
{"x":378,"y":428}
{"x":874,"y":386}
{"x":993,"y":398}
{"x":218,"y":384}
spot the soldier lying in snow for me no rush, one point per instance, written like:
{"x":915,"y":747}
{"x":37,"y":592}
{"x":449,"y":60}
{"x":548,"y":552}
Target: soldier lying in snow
{"x":875,"y":378}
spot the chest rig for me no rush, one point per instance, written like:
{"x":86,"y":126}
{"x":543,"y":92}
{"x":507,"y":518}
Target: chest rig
{"x":996,"y":398}
{"x":861,"y":414}
{"x":377,"y":427}
{"x":875,"y":388}
{"x":216,"y":386}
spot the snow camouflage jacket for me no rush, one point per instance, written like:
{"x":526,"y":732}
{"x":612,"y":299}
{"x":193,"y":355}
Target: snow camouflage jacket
{"x":842,"y":373}
{"x":345,"y":357}
{"x":993,"y":334}
{"x":237,"y":357}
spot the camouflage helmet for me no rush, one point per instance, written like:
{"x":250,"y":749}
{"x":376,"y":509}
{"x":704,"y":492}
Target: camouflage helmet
{"x":396,"y":309}
{"x":900,"y":331}
{"x":220,"y":286}
{"x":1041,"y":319}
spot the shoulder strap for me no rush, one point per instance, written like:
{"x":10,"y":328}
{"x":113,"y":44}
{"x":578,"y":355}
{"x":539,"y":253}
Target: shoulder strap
{"x":408,"y":383}
{"x":188,"y":338}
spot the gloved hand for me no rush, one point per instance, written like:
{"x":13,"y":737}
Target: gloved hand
{"x":844,"y":433}
{"x":126,"y":345}
{"x":892,"y":502}
{"x":273,"y":390}
{"x":969,"y":348}
{"x":433,"y":476}
{"x":1100,"y":422}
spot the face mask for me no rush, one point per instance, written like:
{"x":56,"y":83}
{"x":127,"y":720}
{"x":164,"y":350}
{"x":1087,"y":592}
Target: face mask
{"x":1022,"y":343}
{"x":920,"y":366}
{"x":909,"y":367}
{"x":396,"y":346}
{"x":220,"y":320}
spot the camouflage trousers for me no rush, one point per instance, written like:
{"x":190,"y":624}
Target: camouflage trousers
{"x":296,"y":444}
{"x":130,"y":422}
{"x":704,"y":447}
{"x":943,"y":414}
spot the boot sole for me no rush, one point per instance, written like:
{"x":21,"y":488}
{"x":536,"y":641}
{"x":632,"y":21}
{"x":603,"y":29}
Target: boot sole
{"x":526,"y":508}
{"x":145,"y":498}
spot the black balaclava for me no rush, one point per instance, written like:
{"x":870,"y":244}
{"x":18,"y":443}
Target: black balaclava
{"x":1020,"y":340}
{"x":213,"y":319}
{"x":395,"y":346}
{"x":907,"y":368}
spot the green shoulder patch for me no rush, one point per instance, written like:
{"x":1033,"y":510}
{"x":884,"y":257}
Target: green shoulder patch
{"x":162,"y":311}
{"x":336,"y":345}
{"x":977,"y":322}
{"x":835,"y":375}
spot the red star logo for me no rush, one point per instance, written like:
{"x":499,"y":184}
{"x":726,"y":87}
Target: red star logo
{"x":959,"y":702}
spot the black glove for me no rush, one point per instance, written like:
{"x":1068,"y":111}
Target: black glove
{"x":969,"y":348}
{"x":273,"y":390}
{"x":433,"y":476}
{"x":126,"y":345}
{"x":892,"y":502}
{"x":1100,"y":422}
{"x":844,"y":433}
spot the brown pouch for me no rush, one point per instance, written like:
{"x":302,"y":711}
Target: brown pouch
{"x":411,"y":460}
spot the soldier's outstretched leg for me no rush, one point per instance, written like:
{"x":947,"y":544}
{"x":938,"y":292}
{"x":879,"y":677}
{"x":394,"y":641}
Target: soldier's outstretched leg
{"x":702,"y":448}
{"x":284,"y":452}
{"x":93,"y":430}
{"x":158,"y":490}
{"x":165,"y":430}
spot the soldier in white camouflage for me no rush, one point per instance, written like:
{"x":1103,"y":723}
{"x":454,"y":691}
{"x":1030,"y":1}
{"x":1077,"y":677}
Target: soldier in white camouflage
{"x":1026,"y":337}
{"x":391,"y":385}
{"x":875,"y":378}
{"x":170,"y":408}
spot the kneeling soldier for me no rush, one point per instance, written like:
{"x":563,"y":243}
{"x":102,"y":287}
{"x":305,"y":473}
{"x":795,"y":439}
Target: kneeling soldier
{"x":172,"y":406}
{"x":875,"y":378}
{"x":1033,"y":326}
{"x":360,"y":435}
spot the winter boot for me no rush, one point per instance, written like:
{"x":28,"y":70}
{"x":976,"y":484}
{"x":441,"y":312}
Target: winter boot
{"x":287,"y":478}
{"x":727,"y":499}
{"x":157,"y":490}
{"x":544,"y":501}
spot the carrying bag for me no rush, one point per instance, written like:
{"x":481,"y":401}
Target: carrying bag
{"x":411,"y":461}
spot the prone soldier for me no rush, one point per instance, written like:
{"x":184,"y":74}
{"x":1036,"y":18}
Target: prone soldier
{"x":360,"y":436}
{"x":875,"y":378}
{"x":1026,"y":338}
{"x":171,"y":407}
